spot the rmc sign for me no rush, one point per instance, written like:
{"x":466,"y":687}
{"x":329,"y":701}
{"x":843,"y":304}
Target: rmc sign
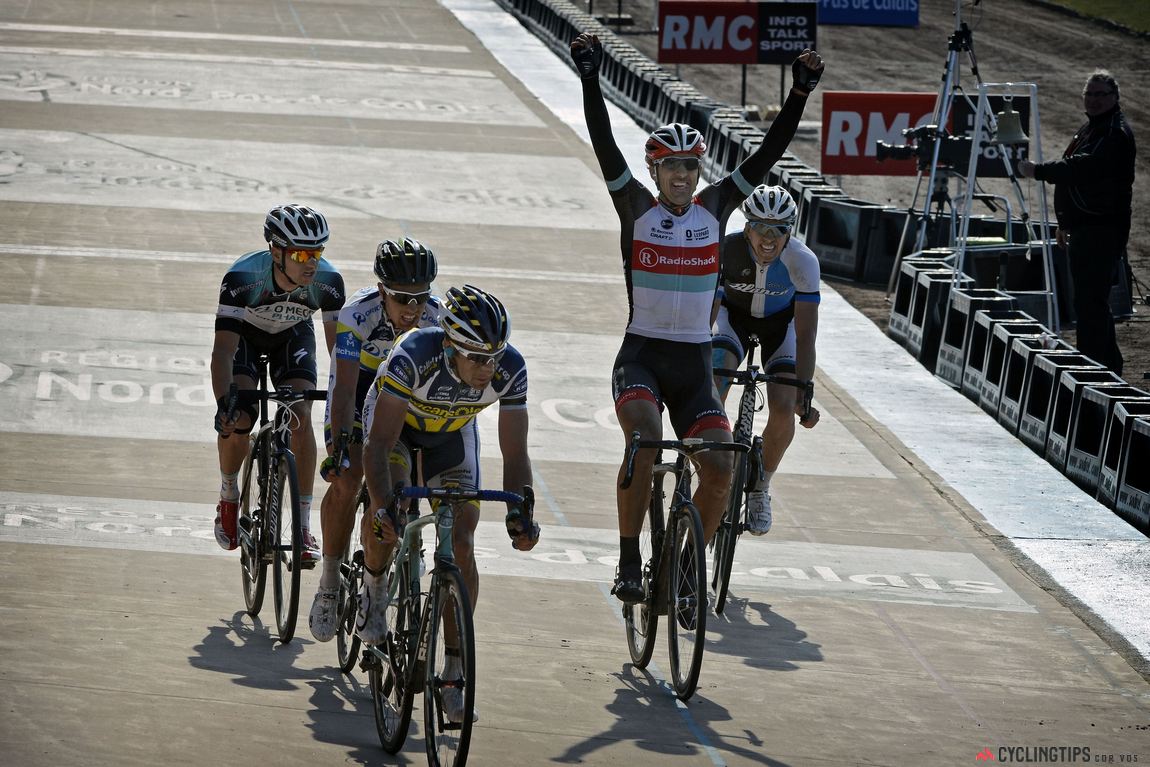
{"x":722,"y":32}
{"x":854,"y":122}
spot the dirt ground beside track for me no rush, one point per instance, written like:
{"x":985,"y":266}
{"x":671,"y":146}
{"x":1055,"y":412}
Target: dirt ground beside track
{"x":1012,"y":41}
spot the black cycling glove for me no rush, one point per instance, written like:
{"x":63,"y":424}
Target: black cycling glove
{"x":587,"y":53}
{"x":805,"y":78}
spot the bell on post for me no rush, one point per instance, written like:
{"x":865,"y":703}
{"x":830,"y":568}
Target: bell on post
{"x":1009,"y":125}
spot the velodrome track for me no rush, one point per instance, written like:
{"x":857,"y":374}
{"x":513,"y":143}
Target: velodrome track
{"x":930,"y":589}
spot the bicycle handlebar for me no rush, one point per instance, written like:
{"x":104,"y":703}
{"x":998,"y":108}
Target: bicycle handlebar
{"x":749,"y":377}
{"x":458,"y":494}
{"x":688,"y":447}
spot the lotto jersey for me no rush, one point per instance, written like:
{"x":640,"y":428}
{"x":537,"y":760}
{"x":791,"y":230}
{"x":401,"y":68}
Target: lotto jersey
{"x":417,"y":371}
{"x":252,"y":305}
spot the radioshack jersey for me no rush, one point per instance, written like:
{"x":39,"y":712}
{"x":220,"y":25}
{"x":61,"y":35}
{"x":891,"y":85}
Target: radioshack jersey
{"x":672,"y":271}
{"x":364,"y":333}
{"x":417,"y":370}
{"x":252,"y":305}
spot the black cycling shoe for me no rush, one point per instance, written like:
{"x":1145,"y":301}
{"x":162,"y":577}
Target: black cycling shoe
{"x":629,"y":585}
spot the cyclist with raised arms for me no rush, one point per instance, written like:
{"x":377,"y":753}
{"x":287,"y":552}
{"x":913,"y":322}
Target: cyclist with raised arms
{"x":267,"y":300}
{"x":670,"y":249}
{"x":365,"y":332}
{"x":426,"y":397}
{"x":770,"y":288}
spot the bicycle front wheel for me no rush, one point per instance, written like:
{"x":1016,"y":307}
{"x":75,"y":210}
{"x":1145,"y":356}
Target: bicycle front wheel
{"x":287,"y":541}
{"x":253,"y":565}
{"x":347,"y":642}
{"x":449,"y":689}
{"x":727,"y":535}
{"x":686,"y":600}
{"x":393,"y":683}
{"x":641,"y":620}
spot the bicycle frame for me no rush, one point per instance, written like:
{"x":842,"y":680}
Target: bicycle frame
{"x":675,"y":574}
{"x":747,"y":467}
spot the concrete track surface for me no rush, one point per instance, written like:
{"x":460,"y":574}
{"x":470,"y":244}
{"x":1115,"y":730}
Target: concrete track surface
{"x":931,"y":592}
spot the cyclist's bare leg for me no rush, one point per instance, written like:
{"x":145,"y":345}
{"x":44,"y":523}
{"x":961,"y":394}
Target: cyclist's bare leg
{"x":780,"y":429}
{"x":375,"y":551}
{"x":463,"y":545}
{"x":337,"y":510}
{"x":714,"y":480}
{"x":234,"y":449}
{"x":724,"y":359}
{"x":643,"y":416}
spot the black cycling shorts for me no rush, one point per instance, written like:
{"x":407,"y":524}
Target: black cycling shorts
{"x":291,"y":354}
{"x":672,"y":374}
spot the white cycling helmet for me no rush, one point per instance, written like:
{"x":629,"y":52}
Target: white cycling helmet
{"x":674,"y":139}
{"x":295,"y":226}
{"x":770,"y":203}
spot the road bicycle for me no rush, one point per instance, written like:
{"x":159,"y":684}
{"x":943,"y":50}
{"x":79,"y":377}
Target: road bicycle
{"x":268,"y":482}
{"x":748,"y":465}
{"x":674,"y":564}
{"x":422,"y":625}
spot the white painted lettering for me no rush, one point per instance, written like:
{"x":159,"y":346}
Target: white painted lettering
{"x":81,"y":390}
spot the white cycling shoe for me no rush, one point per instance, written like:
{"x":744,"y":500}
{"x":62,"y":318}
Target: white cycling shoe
{"x":370,"y":618}
{"x":453,"y":705}
{"x":324,"y":617}
{"x":758,"y":512}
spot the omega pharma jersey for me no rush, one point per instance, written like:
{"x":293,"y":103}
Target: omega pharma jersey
{"x":364,"y":332}
{"x":251,"y":303}
{"x":417,"y":370}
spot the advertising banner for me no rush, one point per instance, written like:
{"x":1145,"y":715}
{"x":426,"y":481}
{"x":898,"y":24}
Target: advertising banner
{"x":865,"y":134}
{"x":869,"y":13}
{"x":722,"y":32}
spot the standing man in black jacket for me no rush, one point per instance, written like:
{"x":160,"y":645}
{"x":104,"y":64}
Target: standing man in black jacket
{"x":1093,"y":187}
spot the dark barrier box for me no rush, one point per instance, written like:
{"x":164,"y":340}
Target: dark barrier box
{"x":974,"y":368}
{"x":881,"y":246}
{"x":928,"y":303}
{"x":1088,"y":431}
{"x":809,"y":200}
{"x":1038,"y":397}
{"x":902,"y":306}
{"x":1064,"y":409}
{"x":838,"y":230}
{"x":1002,"y":338}
{"x":1016,"y":386}
{"x":957,"y":325}
{"x":1116,"y":447}
{"x":1134,"y":486}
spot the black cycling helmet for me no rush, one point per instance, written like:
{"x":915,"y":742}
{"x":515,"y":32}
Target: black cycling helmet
{"x":295,"y":226}
{"x":474,"y":318}
{"x":408,"y":262}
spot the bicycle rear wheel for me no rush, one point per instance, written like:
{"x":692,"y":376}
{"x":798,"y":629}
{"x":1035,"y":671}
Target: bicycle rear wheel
{"x":392,"y":680}
{"x":449,"y":693}
{"x":286,"y":540}
{"x":253,"y":565}
{"x":728,"y":534}
{"x":641,"y":620}
{"x":686,"y":600}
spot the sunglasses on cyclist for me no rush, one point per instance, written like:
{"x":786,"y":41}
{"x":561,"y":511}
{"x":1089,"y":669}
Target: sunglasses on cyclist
{"x":410,"y":299}
{"x":770,"y":230}
{"x":679,"y":163}
{"x":303,"y":255}
{"x":480,"y":358}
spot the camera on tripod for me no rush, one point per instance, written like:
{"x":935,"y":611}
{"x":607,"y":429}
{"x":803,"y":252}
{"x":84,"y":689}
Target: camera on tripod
{"x":953,"y":151}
